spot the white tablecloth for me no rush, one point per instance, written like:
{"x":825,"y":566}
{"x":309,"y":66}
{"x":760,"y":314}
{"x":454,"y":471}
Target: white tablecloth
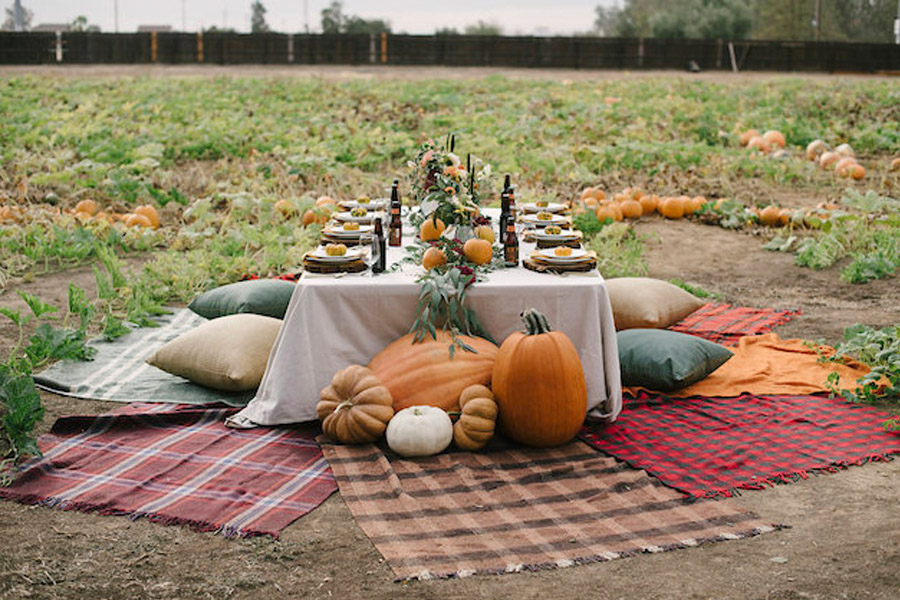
{"x":333,"y":322}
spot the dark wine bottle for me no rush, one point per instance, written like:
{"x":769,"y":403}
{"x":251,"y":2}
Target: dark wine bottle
{"x":395,"y":227}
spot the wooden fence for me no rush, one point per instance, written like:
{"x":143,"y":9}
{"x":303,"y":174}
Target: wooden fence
{"x":454,"y":50}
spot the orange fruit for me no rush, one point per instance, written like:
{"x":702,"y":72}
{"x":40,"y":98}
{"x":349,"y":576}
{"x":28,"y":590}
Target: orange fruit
{"x":485,"y":232}
{"x":587,"y":192}
{"x":434,"y":257}
{"x":135,"y":220}
{"x":770,"y":215}
{"x":774,"y":137}
{"x":671,"y":208}
{"x":605,"y":212}
{"x":828,"y":158}
{"x":431,"y":229}
{"x":88,"y":206}
{"x":857,"y":171}
{"x":895,"y":164}
{"x":815,"y":149}
{"x":748,"y":135}
{"x":631,"y":209}
{"x":599,"y":194}
{"x":759,"y":143}
{"x":149,"y":212}
{"x":285,"y":208}
{"x":325,"y":201}
{"x":649,"y":203}
{"x":842,"y":167}
{"x":478,"y":251}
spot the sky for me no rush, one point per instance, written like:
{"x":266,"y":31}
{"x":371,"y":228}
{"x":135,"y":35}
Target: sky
{"x":524,"y":17}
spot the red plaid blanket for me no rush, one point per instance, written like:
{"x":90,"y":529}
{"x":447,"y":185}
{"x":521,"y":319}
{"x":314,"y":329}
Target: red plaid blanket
{"x":708,"y":447}
{"x":726,"y":324}
{"x":178,"y":464}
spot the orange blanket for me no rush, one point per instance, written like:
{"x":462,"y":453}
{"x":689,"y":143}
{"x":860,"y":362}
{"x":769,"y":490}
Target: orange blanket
{"x":766,"y":364}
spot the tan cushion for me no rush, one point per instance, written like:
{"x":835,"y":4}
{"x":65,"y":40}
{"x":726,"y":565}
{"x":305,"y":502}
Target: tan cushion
{"x":641,"y":302}
{"x":228,"y":353}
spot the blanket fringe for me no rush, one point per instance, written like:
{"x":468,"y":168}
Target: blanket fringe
{"x":790,"y":477}
{"x":595,"y":558}
{"x":87,"y":507}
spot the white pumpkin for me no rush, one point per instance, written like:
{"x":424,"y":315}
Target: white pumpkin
{"x":419,"y":431}
{"x":844,"y":150}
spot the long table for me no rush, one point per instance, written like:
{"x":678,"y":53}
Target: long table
{"x":333,"y":322}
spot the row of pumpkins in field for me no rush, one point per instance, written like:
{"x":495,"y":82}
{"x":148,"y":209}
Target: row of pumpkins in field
{"x":841,"y":159}
{"x":409,"y":391}
{"x":632,"y":203}
{"x":88,"y":210}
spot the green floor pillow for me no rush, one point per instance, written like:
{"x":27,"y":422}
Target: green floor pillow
{"x":267,"y":297}
{"x":665,"y":360}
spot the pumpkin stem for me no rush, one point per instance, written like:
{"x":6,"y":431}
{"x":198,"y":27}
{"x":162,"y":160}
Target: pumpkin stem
{"x":535,"y":322}
{"x":343,"y":405}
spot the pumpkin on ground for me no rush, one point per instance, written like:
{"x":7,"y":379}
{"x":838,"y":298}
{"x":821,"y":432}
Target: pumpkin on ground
{"x":828,"y":158}
{"x":631,"y":209}
{"x":424,"y":372}
{"x":775,"y":138}
{"x":477,"y":420}
{"x":671,"y":208}
{"x":149,"y":212}
{"x":87,"y":206}
{"x":539,"y":384}
{"x":748,"y":135}
{"x":355,"y":408}
{"x":759,"y":143}
{"x":419,"y":431}
{"x":770,"y":215}
{"x":815,"y":149}
{"x":137,"y":221}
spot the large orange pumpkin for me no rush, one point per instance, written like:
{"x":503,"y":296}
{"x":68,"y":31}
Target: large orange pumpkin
{"x":423,"y":373}
{"x":539,"y":385}
{"x":671,"y":208}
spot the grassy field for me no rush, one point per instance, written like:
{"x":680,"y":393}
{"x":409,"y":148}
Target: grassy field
{"x":215,"y":154}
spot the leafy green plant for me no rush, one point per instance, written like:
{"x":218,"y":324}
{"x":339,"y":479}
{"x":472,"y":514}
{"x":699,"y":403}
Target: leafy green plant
{"x":620,"y":252}
{"x":879,"y":349}
{"x":693,"y":289}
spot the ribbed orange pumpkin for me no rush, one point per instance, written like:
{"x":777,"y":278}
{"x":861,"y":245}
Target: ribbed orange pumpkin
{"x":355,"y":408}
{"x":671,"y":208}
{"x":631,"y":209}
{"x":423,"y":373}
{"x":539,"y":385}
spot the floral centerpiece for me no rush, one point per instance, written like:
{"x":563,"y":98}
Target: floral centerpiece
{"x":447,"y":189}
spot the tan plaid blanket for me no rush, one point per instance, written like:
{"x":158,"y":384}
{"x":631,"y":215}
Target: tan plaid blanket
{"x":515,"y":509}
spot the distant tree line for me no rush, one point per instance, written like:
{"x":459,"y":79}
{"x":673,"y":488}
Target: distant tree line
{"x":838,"y":20}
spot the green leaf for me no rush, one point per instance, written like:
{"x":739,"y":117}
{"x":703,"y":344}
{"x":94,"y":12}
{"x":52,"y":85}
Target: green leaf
{"x":37,"y":306}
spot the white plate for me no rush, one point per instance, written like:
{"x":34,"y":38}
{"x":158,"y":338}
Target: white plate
{"x":319,"y":255}
{"x":348,"y":233}
{"x":372,"y":205}
{"x":346,"y":216}
{"x":533,"y":220}
{"x":578,"y":255}
{"x":553,"y":207}
{"x":566,"y":235}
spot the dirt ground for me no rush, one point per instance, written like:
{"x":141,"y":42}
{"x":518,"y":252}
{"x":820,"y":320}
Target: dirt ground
{"x":843,"y":540}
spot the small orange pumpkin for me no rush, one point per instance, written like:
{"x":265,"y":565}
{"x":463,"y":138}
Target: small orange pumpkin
{"x":433,"y":257}
{"x":88,"y":206}
{"x":355,"y":408}
{"x":759,"y":143}
{"x":631,"y":209}
{"x":134,"y":220}
{"x":775,"y":138}
{"x":478,"y":251}
{"x":477,"y":420}
{"x":539,"y":384}
{"x":770,"y":215}
{"x":671,"y":208}
{"x":149,"y":212}
{"x":748,"y":135}
{"x":431,"y":229}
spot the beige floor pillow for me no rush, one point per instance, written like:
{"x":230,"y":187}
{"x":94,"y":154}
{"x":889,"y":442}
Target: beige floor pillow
{"x":228,"y":353}
{"x":642,"y":302}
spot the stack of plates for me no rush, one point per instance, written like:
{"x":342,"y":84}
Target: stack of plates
{"x":566,"y":235}
{"x":320,"y":256}
{"x":548,"y":256}
{"x":345,"y":217}
{"x":535,"y":222}
{"x":337,"y":232}
{"x":552,"y":207}
{"x":371,"y":205}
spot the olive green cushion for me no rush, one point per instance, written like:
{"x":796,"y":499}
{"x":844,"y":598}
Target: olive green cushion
{"x":229,"y":353}
{"x":268,"y":297}
{"x":645,"y":302}
{"x":664,"y":360}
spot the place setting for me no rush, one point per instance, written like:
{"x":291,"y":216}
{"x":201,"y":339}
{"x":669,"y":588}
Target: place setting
{"x":336,"y":258}
{"x":544,"y":218}
{"x":561,"y":259}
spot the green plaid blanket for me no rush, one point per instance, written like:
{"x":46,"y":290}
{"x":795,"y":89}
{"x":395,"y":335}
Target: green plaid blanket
{"x":118,"y":372}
